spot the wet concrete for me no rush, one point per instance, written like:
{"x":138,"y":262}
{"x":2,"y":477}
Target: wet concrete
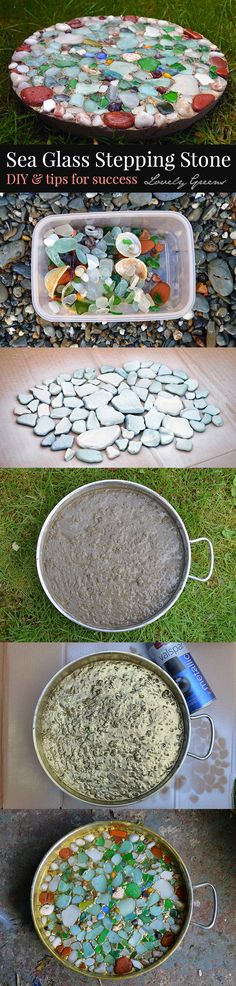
{"x":204,"y":839}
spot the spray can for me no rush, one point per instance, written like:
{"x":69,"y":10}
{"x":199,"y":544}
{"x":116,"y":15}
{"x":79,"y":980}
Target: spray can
{"x":181,"y":666}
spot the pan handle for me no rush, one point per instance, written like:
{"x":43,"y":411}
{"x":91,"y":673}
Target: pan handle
{"x":211,"y":744}
{"x":198,"y":886}
{"x":211,"y":551}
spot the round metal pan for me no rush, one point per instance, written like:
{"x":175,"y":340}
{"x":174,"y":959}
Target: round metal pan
{"x":152,"y":669}
{"x":143,"y":491}
{"x":98,"y":827}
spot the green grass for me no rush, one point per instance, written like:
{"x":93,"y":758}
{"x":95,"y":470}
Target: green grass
{"x":215,"y":20}
{"x":204,"y":499}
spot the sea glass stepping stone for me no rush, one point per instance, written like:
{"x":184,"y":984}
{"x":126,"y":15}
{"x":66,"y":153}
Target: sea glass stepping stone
{"x":118,"y":74}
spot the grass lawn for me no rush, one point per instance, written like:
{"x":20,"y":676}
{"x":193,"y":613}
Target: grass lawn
{"x":217,"y":21}
{"x":204,"y":499}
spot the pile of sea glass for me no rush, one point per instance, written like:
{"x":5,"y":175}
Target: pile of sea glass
{"x":104,"y":270}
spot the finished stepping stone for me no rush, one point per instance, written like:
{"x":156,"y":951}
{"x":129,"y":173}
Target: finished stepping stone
{"x":118,"y":75}
{"x":79,"y":923}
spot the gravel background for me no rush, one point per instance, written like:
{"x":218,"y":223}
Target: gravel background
{"x":213,"y":321}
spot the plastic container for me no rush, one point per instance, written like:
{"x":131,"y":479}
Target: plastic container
{"x":177,"y":262}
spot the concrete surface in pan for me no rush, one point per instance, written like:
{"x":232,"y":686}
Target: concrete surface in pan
{"x":206,"y":842}
{"x":22,"y":369}
{"x":28,"y":668}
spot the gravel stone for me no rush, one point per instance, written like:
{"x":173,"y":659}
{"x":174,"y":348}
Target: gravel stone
{"x":150,"y":438}
{"x":184,"y":444}
{"x":89,"y":455}
{"x":61,"y":443}
{"x":44,"y":425}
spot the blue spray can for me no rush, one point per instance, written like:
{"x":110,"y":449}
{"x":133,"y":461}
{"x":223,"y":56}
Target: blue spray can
{"x":180,"y":665}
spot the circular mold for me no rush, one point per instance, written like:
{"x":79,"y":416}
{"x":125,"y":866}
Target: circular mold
{"x":65,"y":850}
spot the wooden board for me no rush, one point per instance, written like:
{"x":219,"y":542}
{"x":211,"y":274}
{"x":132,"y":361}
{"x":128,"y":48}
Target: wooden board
{"x":28,"y":667}
{"x":22,"y":369}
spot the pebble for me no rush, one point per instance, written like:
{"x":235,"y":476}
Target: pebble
{"x":78,"y":414}
{"x":135,"y":423}
{"x":48,"y":440}
{"x":27,"y":419}
{"x":61,"y":443}
{"x":132,"y":365}
{"x":112,"y":452}
{"x":69,"y":454}
{"x":11,"y":251}
{"x":93,"y":421}
{"x":184,"y":444}
{"x":192,"y":414}
{"x":60,"y":412}
{"x":24,"y":398}
{"x":63,"y":426}
{"x":220,"y":277}
{"x":178,"y":389}
{"x":150,"y":438}
{"x":197,"y":425}
{"x":44,"y":425}
{"x":168,"y":404}
{"x":211,"y":409}
{"x":122,"y":443}
{"x":153,"y":419}
{"x":166,"y":437}
{"x":134,"y":447}
{"x":109,"y":416}
{"x":178,"y":426}
{"x":3,"y":293}
{"x":128,"y":402}
{"x":89,"y":455}
{"x":78,"y":427}
{"x":100,"y":438}
{"x":96,"y":399}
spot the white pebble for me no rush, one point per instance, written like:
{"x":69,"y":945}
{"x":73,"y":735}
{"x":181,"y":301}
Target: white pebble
{"x":48,"y":105}
{"x":112,"y":452}
{"x":143,"y":119}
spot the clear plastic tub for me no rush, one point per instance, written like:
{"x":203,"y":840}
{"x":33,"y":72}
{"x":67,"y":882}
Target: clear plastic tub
{"x":177,"y":262}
